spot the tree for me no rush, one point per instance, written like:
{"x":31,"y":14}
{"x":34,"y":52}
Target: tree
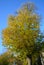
{"x":7,"y":58}
{"x":22,"y":32}
{"x":4,"y":59}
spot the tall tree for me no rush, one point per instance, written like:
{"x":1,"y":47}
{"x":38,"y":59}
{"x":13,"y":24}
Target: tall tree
{"x":22,"y":32}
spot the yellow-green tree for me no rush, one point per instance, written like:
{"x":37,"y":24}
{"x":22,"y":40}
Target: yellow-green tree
{"x":5,"y":58}
{"x":22,"y":32}
{"x":8,"y":58}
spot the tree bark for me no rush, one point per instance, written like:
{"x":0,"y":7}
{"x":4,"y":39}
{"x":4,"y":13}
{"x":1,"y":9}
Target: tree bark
{"x":29,"y":60}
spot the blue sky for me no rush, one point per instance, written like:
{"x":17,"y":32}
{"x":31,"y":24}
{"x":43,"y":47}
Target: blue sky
{"x":9,"y":7}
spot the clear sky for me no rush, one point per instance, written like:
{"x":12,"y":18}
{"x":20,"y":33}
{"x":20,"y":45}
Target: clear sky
{"x":8,"y":7}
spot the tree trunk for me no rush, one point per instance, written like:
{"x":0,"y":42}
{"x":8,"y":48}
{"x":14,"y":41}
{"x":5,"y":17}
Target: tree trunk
{"x":29,"y":60}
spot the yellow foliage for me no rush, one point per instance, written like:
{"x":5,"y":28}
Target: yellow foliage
{"x":22,"y":31}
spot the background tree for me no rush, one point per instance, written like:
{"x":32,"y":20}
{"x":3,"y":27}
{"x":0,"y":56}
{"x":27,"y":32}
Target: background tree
{"x":7,"y":58}
{"x":22,"y":32}
{"x":4,"y":59}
